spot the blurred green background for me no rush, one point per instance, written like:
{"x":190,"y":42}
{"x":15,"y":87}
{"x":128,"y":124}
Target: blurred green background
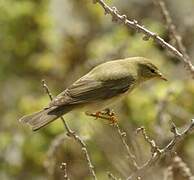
{"x":60,"y":40}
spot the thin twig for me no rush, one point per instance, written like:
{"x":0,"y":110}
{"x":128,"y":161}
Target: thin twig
{"x":73,"y":135}
{"x":116,"y":17}
{"x":174,"y":35}
{"x":64,"y":169}
{"x":112,"y":177}
{"x":158,"y":152}
{"x":122,"y":135}
{"x":131,"y":156}
{"x":151,"y":142}
{"x":47,"y":90}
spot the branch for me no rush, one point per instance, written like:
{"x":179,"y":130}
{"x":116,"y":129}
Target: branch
{"x":64,"y":169}
{"x":116,"y":17}
{"x":156,"y":151}
{"x":73,"y":135}
{"x":131,"y":156}
{"x":112,"y":177}
{"x":171,"y":27}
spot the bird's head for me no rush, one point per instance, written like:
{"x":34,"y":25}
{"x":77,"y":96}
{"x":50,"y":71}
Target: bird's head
{"x":147,"y":70}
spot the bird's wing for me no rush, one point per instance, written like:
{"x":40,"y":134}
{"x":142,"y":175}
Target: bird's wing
{"x":88,"y":90}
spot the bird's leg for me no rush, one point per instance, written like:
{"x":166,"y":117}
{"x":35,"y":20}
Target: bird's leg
{"x":96,"y":114}
{"x":106,"y":114}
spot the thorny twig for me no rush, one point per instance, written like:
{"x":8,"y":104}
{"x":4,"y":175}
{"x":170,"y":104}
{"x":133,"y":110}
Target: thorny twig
{"x":73,"y":135}
{"x":173,"y":33}
{"x":158,"y":152}
{"x":116,"y":17}
{"x":112,"y":177}
{"x":131,"y":156}
{"x":64,"y":169}
{"x":122,"y":135}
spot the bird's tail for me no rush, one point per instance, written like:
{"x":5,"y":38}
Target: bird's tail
{"x":41,"y":118}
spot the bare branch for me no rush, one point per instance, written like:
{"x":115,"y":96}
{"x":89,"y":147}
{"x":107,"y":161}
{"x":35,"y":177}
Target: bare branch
{"x":47,"y":90}
{"x":171,"y":27}
{"x":152,"y":143}
{"x":73,"y":135}
{"x":64,"y":169}
{"x":112,"y":177}
{"x":131,"y":156}
{"x":116,"y":17}
{"x":158,"y":152}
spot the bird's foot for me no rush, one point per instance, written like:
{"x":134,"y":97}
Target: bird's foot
{"x":96,"y":114}
{"x":111,"y":116}
{"x":106,"y":114}
{"x":113,"y":120}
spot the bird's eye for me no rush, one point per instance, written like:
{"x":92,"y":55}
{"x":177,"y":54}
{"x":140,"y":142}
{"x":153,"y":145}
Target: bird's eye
{"x":152,"y":70}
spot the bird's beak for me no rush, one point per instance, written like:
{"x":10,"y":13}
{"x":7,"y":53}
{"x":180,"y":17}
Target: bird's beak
{"x":160,"y":75}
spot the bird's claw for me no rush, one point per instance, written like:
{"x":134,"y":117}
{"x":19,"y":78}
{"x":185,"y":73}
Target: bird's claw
{"x":96,"y":114}
{"x":106,"y":114}
{"x":113,"y":120}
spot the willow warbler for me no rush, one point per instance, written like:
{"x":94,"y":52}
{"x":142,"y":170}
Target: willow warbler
{"x":101,"y":86}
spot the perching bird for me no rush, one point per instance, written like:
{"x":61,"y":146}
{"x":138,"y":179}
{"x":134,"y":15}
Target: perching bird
{"x":103,"y":85}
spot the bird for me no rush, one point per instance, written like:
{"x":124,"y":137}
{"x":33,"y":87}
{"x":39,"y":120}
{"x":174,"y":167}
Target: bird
{"x":101,"y":87}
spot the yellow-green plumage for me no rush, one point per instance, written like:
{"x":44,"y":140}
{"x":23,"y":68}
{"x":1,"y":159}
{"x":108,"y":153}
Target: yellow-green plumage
{"x":104,"y":84}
